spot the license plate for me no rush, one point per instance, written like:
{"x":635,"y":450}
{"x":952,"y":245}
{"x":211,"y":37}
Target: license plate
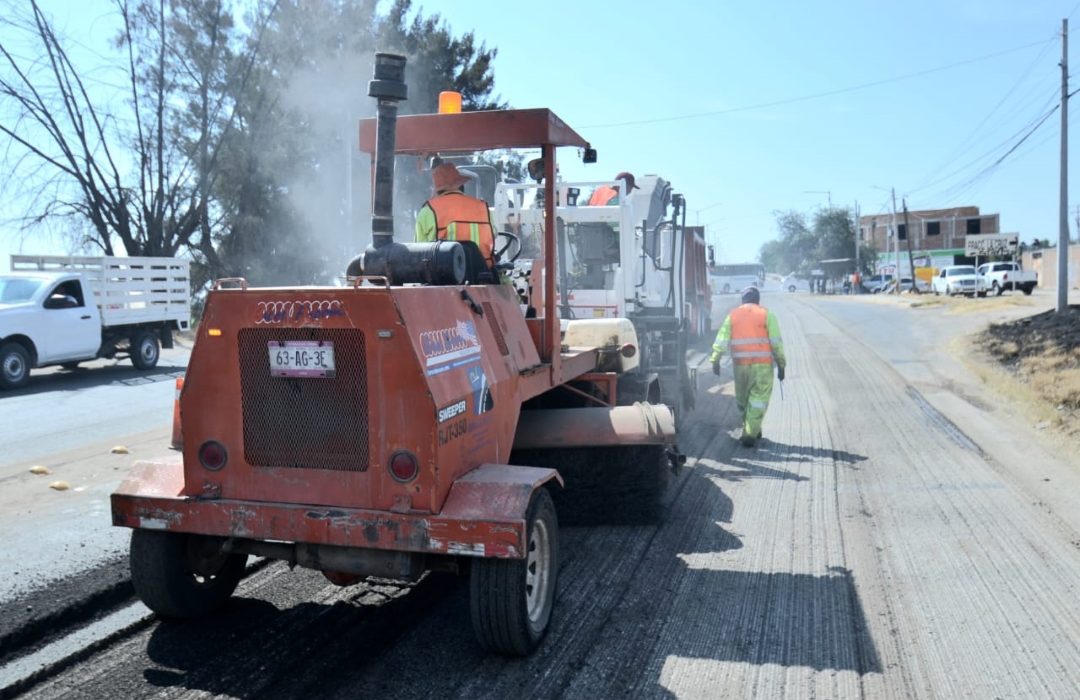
{"x":301,"y":358}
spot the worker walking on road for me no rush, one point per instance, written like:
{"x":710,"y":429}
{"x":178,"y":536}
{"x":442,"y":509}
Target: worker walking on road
{"x":452,"y":215}
{"x":753,"y":334}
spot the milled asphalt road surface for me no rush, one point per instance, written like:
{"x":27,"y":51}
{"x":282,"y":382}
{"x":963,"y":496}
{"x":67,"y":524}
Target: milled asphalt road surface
{"x":869,"y":547}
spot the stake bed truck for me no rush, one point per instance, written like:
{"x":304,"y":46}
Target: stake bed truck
{"x":59,"y":310}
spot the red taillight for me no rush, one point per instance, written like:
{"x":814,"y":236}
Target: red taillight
{"x":213,"y":455}
{"x":403,"y":466}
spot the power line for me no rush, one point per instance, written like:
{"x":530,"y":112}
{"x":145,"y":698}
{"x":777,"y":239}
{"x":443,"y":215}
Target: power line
{"x":964,"y":186}
{"x":962,"y":149}
{"x":989,"y":153}
{"x":829,"y":93}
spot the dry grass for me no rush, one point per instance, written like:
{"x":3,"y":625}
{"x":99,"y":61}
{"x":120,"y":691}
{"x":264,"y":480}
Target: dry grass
{"x":963,"y":305}
{"x":1037,"y":360}
{"x":1022,"y":398}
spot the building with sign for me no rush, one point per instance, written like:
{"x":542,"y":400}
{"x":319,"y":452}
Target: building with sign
{"x":938,"y":236}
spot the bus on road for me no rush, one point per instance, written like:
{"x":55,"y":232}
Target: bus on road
{"x":730,"y":279}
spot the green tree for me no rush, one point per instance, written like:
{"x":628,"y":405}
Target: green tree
{"x":801,"y":246}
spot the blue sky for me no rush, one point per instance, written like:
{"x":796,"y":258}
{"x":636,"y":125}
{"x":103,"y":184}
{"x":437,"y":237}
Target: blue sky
{"x":989,"y":69}
{"x":600,"y":64}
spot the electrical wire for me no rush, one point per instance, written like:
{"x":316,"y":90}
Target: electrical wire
{"x":963,"y":149}
{"x":819,"y":95}
{"x":989,"y":154}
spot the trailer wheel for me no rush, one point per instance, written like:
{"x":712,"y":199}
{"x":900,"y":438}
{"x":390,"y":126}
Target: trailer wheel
{"x":145,"y":350}
{"x":511,"y":599}
{"x":182,"y":576}
{"x":14,"y":366}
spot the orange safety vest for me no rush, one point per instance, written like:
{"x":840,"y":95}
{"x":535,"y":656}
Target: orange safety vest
{"x":602,"y":195}
{"x":464,"y":213}
{"x":750,"y":336}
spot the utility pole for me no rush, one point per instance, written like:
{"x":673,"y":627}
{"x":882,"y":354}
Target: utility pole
{"x":1063,"y":204}
{"x":896,"y":237}
{"x":858,"y":236}
{"x":910,"y":255}
{"x":827,"y":193}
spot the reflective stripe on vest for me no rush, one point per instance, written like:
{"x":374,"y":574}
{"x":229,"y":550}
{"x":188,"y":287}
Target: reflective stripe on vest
{"x":602,"y":196}
{"x":459,"y":217}
{"x":750,"y":335}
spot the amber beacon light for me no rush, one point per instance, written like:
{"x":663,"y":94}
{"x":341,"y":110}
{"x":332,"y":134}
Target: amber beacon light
{"x":449,"y":102}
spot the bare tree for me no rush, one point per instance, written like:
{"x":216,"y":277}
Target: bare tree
{"x":134,"y":174}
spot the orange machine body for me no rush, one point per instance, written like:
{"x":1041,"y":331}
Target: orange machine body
{"x":439,"y":373}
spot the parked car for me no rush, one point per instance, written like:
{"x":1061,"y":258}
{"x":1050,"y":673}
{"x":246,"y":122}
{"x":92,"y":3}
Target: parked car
{"x":791,"y":282}
{"x":959,"y":279}
{"x":876,"y":283}
{"x":1000,"y":277}
{"x":906,"y":285}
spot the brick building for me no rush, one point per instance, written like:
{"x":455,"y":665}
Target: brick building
{"x":937,"y":235}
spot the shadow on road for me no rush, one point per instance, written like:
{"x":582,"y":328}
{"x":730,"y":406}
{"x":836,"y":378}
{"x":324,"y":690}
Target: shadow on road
{"x":90,"y":377}
{"x":783,"y":619}
{"x":768,"y":450}
{"x":251,"y":649}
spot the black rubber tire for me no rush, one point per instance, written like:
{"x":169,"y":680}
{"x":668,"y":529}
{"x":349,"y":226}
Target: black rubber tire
{"x":997,"y":289}
{"x":145,"y":350}
{"x":165,"y":581}
{"x":1028,"y":289}
{"x":791,"y":288}
{"x":499,"y":589}
{"x":981,"y":295}
{"x":14,"y":366}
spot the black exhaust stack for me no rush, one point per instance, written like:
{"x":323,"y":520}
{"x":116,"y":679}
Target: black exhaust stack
{"x":442,"y":262}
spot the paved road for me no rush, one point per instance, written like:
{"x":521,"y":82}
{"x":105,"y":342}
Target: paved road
{"x":105,"y":399}
{"x":870,"y":547}
{"x":69,"y":422}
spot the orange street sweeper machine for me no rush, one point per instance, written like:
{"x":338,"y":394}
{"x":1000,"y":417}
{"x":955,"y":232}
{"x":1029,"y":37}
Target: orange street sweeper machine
{"x":424,"y":417}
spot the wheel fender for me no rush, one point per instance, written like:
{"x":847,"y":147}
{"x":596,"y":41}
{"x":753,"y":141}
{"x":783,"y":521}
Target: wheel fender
{"x":500,"y":491}
{"x":497,"y":495}
{"x":148,"y":479}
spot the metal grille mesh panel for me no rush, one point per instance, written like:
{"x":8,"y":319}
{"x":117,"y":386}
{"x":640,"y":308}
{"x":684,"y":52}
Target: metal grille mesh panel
{"x":308,"y":423}
{"x":489,"y":311}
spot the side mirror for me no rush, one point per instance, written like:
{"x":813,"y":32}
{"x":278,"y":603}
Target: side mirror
{"x":61,"y":301}
{"x":535,"y":169}
{"x":589,"y":156}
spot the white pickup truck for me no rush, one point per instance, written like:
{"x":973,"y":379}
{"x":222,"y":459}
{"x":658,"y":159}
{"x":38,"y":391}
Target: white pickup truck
{"x":1003,"y":276}
{"x":58,"y":310}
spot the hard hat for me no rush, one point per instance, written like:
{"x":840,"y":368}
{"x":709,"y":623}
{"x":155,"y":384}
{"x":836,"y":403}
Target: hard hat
{"x":446,"y":177}
{"x":751,"y":295}
{"x":629,"y":181}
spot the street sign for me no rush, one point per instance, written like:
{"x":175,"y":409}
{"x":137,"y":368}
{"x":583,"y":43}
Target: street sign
{"x":991,"y":245}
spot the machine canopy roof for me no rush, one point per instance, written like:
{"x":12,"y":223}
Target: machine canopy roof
{"x":475,"y":131}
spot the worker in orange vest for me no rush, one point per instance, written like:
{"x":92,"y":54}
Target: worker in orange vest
{"x":607,"y":196}
{"x":452,"y":215}
{"x":753,"y":335}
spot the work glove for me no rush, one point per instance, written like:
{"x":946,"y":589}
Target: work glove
{"x":780,"y":373}
{"x":716,"y":367}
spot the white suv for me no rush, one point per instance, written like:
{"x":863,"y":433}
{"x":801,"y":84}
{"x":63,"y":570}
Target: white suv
{"x":959,"y":279}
